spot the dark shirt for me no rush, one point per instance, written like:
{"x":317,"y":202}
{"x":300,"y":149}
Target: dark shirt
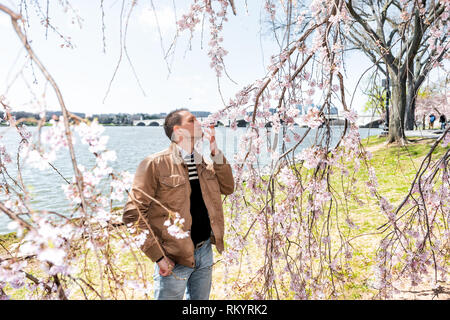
{"x":201,"y":227}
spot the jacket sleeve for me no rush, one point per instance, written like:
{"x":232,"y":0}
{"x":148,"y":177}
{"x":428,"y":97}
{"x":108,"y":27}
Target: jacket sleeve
{"x":223,"y":172}
{"x":145,"y":179}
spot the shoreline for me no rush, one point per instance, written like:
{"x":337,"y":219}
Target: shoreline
{"x":33,"y":124}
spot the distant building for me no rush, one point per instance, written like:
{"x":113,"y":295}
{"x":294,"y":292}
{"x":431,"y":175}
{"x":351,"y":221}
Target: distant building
{"x":201,"y":114}
{"x":136,"y":117}
{"x":334,"y":111}
{"x":304,"y":109}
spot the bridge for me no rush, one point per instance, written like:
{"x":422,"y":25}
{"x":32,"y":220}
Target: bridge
{"x":363,"y":120}
{"x":148,"y":123}
{"x":153,"y":122}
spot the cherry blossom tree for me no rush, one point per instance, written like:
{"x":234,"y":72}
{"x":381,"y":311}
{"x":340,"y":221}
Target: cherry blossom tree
{"x":406,"y":39}
{"x":435,"y":100}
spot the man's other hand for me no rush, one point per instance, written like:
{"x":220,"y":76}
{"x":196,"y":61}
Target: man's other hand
{"x":165,"y":266}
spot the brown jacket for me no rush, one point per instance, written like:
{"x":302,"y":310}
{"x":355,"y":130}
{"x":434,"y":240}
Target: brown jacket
{"x":164,"y":176}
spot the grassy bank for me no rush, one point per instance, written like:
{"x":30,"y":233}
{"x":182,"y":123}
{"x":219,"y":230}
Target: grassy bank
{"x":6,"y":240}
{"x":395,"y":168}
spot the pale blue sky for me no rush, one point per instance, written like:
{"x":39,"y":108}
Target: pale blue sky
{"x":84,"y":73}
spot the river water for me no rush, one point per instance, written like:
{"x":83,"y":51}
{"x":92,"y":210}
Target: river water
{"x":132,"y":144}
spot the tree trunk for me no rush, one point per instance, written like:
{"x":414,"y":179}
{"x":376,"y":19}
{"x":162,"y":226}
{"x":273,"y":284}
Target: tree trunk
{"x":410,"y":102}
{"x":397,"y":110}
{"x":411,"y":112}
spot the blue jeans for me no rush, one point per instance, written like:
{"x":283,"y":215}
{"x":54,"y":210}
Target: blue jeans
{"x":195,"y":282}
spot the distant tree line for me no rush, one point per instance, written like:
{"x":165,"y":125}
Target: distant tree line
{"x":121,"y":119}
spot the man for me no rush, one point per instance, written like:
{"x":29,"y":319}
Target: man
{"x":178,"y":179}
{"x":443,"y":121}
{"x":432,"y":118}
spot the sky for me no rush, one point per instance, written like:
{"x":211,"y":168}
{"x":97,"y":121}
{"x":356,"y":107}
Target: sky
{"x":83,"y":73}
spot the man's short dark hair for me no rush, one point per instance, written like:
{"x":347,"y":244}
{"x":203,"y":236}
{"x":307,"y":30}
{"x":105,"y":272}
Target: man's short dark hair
{"x":172,"y":119}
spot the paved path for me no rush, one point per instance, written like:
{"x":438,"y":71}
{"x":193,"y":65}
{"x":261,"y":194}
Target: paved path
{"x":434,"y":134}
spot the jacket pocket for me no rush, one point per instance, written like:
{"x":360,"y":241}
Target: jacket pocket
{"x":172,"y":181}
{"x":172,"y":191}
{"x":212,"y":182}
{"x":209,"y":175}
{"x":177,"y":248}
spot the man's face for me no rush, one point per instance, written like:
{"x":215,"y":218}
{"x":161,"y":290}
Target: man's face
{"x":190,"y":127}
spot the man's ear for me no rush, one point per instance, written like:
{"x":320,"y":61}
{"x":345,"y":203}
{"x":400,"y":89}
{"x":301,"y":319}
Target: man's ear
{"x":176,"y":137}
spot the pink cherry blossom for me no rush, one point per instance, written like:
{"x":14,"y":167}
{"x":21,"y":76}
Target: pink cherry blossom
{"x":175,"y":228}
{"x":313,"y":118}
{"x":312,"y":157}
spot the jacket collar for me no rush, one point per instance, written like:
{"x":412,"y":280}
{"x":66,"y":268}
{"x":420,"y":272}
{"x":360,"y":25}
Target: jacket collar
{"x":178,"y":158}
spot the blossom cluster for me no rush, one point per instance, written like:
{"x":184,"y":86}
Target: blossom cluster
{"x":175,"y":228}
{"x":191,"y":19}
{"x":313,"y":118}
